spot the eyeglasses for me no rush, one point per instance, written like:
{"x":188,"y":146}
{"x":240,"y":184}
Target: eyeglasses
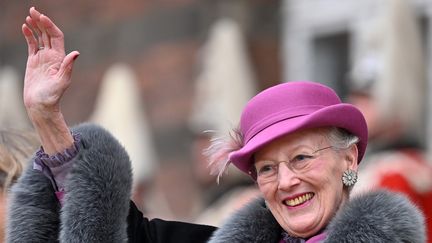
{"x":267,"y":171}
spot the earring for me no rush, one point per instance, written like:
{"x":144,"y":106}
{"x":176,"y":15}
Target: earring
{"x":349,"y":178}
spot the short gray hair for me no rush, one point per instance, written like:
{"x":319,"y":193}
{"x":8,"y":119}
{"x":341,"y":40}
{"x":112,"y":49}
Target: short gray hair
{"x":340,"y":138}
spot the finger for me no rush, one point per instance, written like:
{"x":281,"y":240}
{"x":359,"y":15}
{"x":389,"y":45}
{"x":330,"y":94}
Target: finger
{"x":65,"y":70}
{"x":31,"y":23}
{"x":30,"y":38}
{"x":36,"y":31}
{"x":45,"y":36}
{"x":39,"y":28}
{"x":55,"y":34}
{"x":33,"y":19}
{"x":34,"y":13}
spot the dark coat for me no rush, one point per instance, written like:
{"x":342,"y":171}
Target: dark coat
{"x":97,"y":209}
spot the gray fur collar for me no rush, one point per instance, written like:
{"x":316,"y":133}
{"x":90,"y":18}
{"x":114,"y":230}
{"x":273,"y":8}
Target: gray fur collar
{"x":379,"y":216}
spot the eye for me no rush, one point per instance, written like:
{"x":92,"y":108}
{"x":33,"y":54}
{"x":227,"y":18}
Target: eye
{"x":266,"y":169}
{"x":301,"y":161}
{"x":301,"y":158}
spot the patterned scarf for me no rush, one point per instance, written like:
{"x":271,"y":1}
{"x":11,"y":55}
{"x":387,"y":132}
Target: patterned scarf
{"x":286,"y":238}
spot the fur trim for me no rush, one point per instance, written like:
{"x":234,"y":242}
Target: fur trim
{"x":96,"y":203}
{"x":380,"y":216}
{"x":33,"y":214}
{"x":253,"y":223}
{"x":219,"y":150}
{"x":98,"y":189}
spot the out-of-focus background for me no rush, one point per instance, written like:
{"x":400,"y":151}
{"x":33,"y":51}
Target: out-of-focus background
{"x":160,"y":73}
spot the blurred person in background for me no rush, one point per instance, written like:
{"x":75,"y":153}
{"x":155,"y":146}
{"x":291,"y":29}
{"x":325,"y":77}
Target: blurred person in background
{"x":396,"y":158}
{"x":388,"y":84}
{"x":16,"y":147}
{"x":17,"y":141}
{"x":297,"y":140}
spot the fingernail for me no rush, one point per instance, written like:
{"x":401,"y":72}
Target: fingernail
{"x":75,"y":57}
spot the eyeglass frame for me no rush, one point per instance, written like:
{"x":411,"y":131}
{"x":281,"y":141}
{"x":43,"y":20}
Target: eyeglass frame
{"x":254,"y":173}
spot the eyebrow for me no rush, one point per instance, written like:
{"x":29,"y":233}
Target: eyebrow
{"x":291,"y":151}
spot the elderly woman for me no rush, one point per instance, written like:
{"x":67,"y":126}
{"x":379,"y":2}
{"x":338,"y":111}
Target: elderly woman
{"x":297,"y":140}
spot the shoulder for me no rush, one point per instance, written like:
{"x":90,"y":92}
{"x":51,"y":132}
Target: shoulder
{"x":379,"y":216}
{"x":252,"y":223}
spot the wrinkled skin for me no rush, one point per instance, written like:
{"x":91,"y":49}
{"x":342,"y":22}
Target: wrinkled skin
{"x":322,"y":180}
{"x":47,"y":76}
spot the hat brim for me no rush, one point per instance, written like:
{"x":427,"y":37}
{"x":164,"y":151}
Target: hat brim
{"x":344,"y":116}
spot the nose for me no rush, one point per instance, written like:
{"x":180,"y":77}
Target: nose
{"x":286,"y":177}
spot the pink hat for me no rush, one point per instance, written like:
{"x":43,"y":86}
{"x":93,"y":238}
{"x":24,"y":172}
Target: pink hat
{"x":290,"y":107}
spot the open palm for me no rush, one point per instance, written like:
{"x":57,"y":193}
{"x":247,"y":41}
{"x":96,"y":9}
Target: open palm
{"x":48,"y":71}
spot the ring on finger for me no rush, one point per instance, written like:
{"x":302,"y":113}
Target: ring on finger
{"x":41,"y":48}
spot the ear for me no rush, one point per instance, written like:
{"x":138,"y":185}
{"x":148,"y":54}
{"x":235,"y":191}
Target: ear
{"x":351,"y":157}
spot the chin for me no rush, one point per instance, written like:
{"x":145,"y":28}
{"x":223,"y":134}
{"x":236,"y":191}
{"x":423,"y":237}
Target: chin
{"x":303,"y":233}
{"x":303,"y":229}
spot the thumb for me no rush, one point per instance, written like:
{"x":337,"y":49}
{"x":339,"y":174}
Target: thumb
{"x":66,"y":67}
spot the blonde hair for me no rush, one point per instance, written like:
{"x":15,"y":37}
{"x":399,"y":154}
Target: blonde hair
{"x":15,"y":149}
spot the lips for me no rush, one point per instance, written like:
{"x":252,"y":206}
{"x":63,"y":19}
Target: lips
{"x":298,"y":200}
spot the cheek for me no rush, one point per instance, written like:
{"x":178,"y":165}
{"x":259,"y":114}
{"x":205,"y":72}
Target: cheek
{"x":327,"y":179}
{"x":268,"y":191}
{"x":326,"y":171}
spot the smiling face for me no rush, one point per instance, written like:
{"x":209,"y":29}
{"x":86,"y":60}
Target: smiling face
{"x":304,"y":201}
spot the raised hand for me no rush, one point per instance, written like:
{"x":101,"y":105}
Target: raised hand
{"x":48,"y":71}
{"x":48,"y":75}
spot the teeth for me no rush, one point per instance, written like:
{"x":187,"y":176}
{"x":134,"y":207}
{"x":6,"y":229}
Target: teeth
{"x":298,"y":200}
